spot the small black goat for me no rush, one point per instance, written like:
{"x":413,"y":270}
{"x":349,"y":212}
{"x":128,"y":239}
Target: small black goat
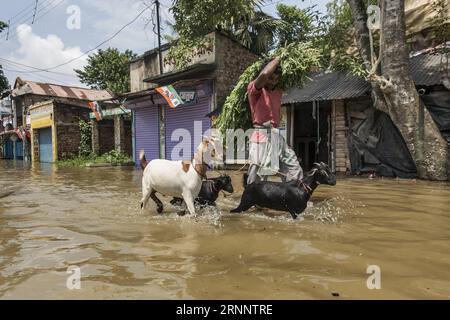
{"x":289,"y":196}
{"x":210,"y":191}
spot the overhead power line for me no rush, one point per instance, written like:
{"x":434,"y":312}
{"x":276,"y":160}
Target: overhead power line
{"x":24,"y":11}
{"x":44,"y":78}
{"x":15,"y":64}
{"x":28,"y":15}
{"x":38,"y":17}
{"x":270,"y":3}
{"x":87,"y":51}
{"x":100,"y":44}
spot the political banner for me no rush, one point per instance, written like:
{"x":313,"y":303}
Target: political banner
{"x":170,"y":95}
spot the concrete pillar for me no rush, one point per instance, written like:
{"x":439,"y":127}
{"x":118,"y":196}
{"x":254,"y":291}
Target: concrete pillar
{"x":14,"y":138}
{"x":342,"y":161}
{"x":34,"y":145}
{"x":119,"y":133}
{"x":95,"y":140}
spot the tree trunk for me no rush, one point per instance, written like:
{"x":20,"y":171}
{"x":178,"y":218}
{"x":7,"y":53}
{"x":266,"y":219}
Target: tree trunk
{"x":394,"y":91}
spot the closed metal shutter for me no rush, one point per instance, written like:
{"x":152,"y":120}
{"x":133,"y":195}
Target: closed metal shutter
{"x":8,"y":149}
{"x":147,"y":132}
{"x":184,"y":117}
{"x":19,"y":150}
{"x":45,"y":145}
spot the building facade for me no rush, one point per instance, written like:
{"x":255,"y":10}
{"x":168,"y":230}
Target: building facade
{"x":45,"y":122}
{"x":204,"y":84}
{"x":332,"y":119}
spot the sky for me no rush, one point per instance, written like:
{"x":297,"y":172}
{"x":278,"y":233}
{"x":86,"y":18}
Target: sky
{"x":64,"y":29}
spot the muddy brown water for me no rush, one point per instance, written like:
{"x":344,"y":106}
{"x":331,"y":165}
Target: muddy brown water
{"x":59,"y":217}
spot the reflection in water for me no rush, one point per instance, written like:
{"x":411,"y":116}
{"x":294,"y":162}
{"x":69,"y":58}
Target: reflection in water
{"x":60,"y":217}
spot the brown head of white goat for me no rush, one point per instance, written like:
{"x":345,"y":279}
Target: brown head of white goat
{"x":182,"y":179}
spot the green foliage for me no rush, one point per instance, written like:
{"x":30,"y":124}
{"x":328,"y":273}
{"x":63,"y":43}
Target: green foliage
{"x":258,"y":31}
{"x":235,"y":113}
{"x":195,"y":18}
{"x":440,"y":21}
{"x":108,"y":69}
{"x":2,"y":26}
{"x":296,"y":60}
{"x":85,"y":147}
{"x":113,"y":158}
{"x":4,"y":84}
{"x":336,"y":40}
{"x":182,"y":53}
{"x":441,"y":31}
{"x":243,"y":18}
{"x":332,"y":34}
{"x":301,"y":24}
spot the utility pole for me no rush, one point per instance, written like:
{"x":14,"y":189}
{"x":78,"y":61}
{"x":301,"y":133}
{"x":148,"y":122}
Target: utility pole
{"x":34,"y":14}
{"x":161,"y":113}
{"x":159,"y":37}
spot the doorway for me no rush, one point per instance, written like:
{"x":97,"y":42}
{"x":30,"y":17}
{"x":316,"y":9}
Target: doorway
{"x":45,"y":145}
{"x":311,"y":136}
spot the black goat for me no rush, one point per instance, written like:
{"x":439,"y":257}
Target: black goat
{"x":289,"y":196}
{"x":210,"y":191}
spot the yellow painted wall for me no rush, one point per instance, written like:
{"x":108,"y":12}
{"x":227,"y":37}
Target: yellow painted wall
{"x":42,"y":116}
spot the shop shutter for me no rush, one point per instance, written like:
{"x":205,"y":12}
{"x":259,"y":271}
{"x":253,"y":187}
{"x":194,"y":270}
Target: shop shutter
{"x":147,"y":132}
{"x":184,"y":117}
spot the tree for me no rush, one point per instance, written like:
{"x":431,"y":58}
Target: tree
{"x":108,"y":69}
{"x":4,"y":85}
{"x":394,"y":91}
{"x":195,"y":18}
{"x":336,"y":40}
{"x":2,"y":26}
{"x":243,"y":18}
{"x":301,"y":24}
{"x":259,"y":31}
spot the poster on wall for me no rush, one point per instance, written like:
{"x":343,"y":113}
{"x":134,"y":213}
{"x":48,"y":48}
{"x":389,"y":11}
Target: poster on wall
{"x":170,"y":95}
{"x":188,"y":96}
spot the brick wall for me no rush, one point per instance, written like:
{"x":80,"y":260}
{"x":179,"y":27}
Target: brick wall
{"x":232,"y":59}
{"x":106,"y":136}
{"x":340,"y":132}
{"x":67,"y":128}
{"x":35,"y":142}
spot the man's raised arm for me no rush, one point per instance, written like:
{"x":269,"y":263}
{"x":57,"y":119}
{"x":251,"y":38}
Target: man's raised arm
{"x":268,"y":70}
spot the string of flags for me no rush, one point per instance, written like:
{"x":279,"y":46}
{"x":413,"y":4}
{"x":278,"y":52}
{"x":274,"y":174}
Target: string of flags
{"x":167,"y":92}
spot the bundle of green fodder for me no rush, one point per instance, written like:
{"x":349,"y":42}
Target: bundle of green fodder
{"x":296,"y":60}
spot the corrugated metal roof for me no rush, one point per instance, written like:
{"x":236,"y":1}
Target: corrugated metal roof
{"x":23,"y":87}
{"x":328,"y":86}
{"x":425,"y":70}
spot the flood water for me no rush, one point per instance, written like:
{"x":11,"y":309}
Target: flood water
{"x":58,"y":218}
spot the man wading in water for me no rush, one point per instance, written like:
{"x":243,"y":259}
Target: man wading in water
{"x":269,"y":152}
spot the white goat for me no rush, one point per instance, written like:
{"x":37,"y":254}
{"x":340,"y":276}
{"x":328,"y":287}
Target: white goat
{"x":180,"y":179}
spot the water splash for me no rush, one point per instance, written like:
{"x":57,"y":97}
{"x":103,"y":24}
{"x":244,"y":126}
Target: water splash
{"x":333,"y":210}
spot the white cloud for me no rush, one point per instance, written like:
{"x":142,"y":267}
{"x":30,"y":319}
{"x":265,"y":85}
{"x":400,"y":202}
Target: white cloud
{"x":46,"y":53}
{"x":100,"y":19}
{"x":116,"y":14}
